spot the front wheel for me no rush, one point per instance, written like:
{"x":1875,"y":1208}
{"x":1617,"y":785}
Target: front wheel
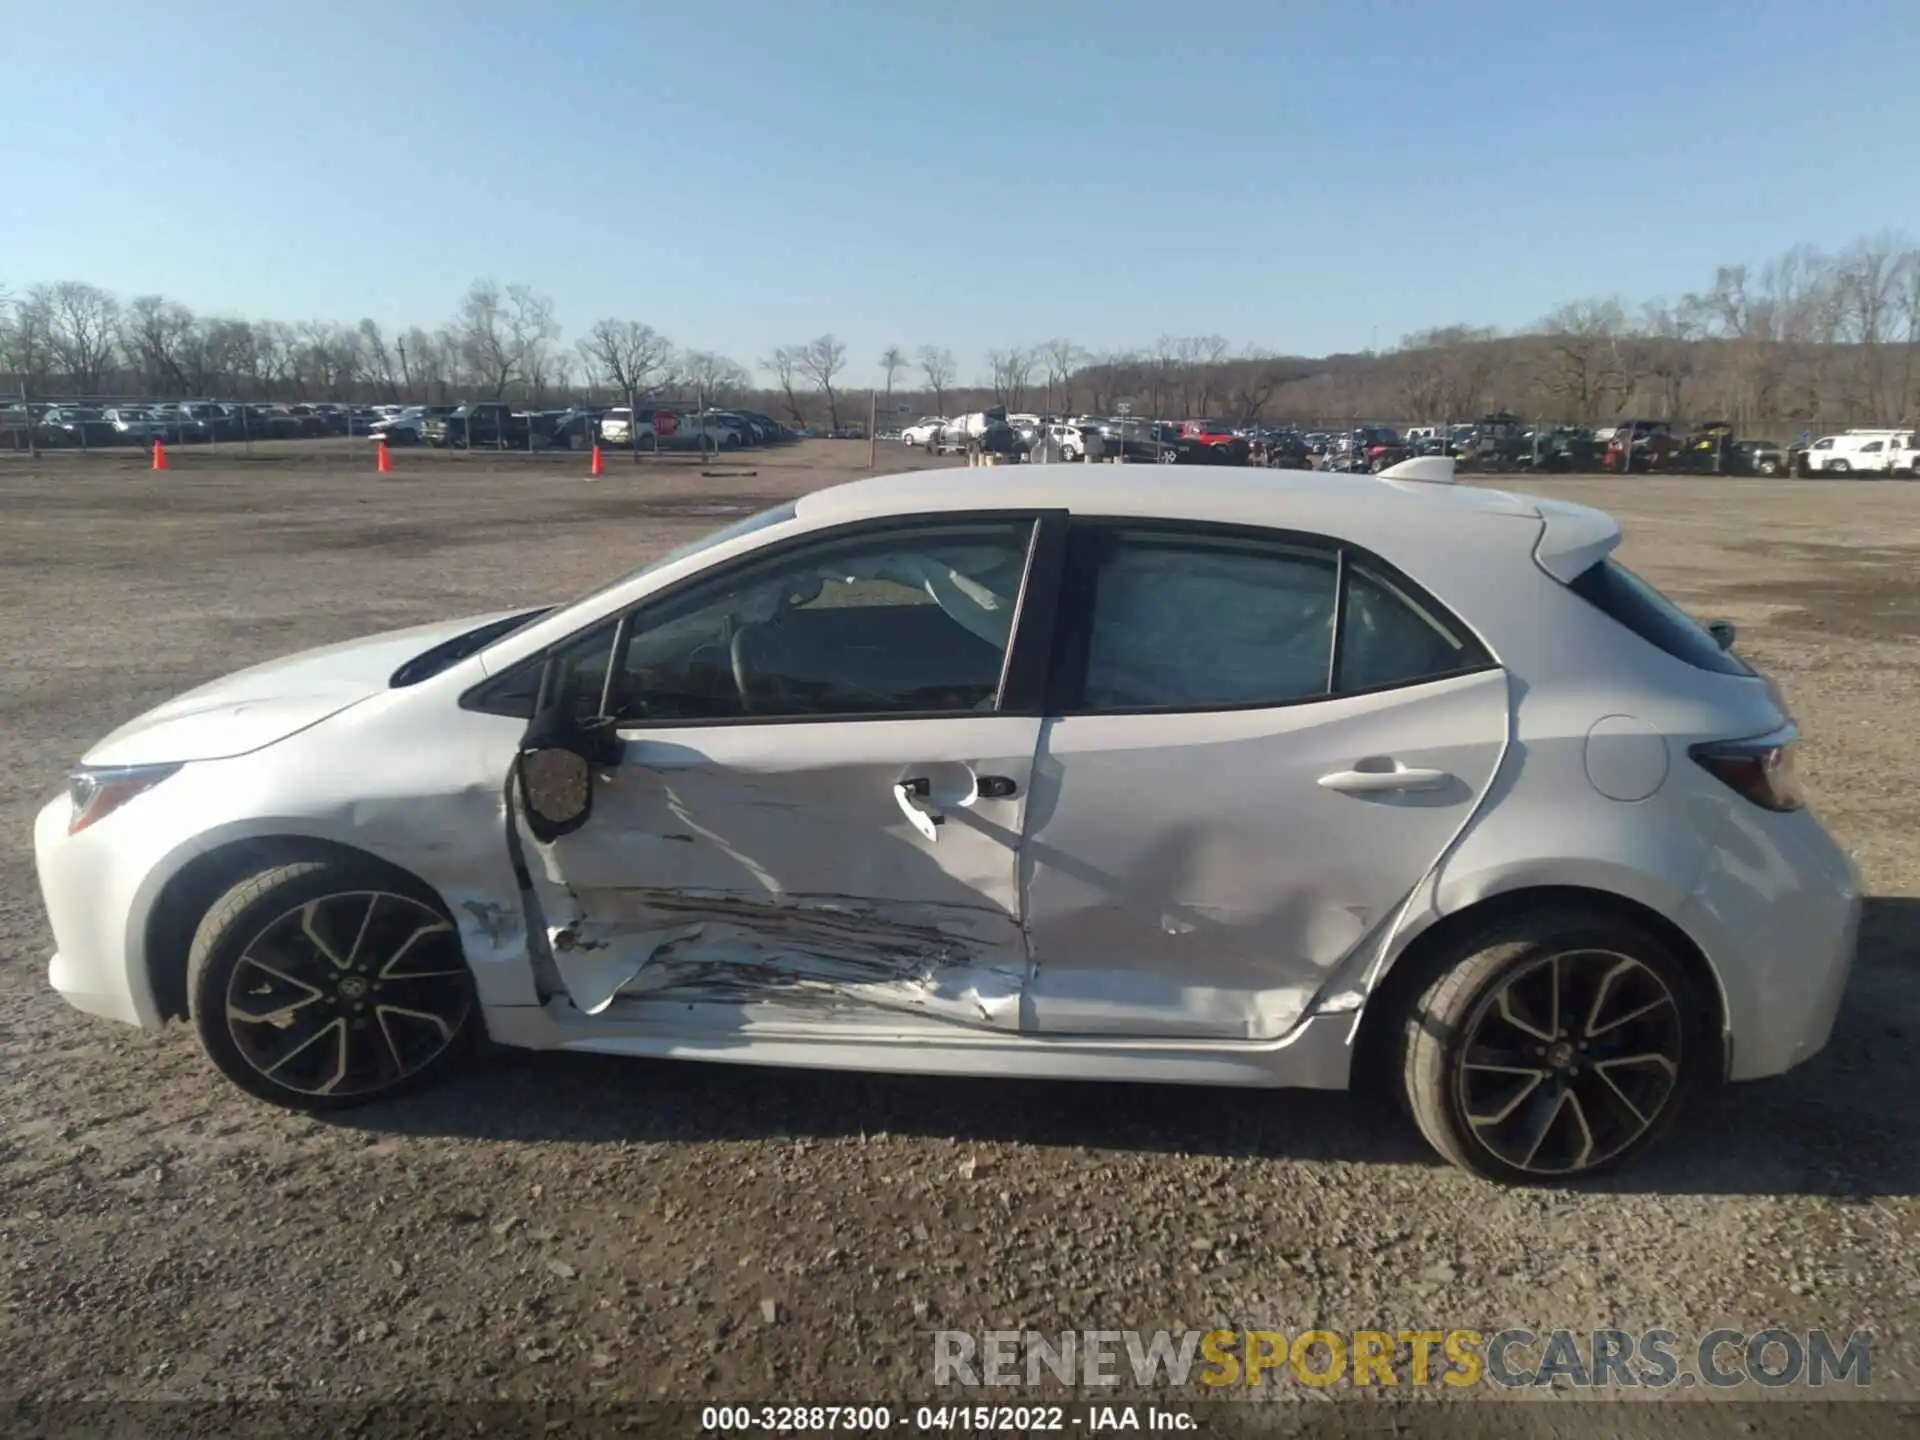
{"x":325,"y":984}
{"x":1839,"y":467}
{"x":1768,"y":468}
{"x":1552,"y":1047}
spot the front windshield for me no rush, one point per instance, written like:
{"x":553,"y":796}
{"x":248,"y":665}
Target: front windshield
{"x":747,"y":525}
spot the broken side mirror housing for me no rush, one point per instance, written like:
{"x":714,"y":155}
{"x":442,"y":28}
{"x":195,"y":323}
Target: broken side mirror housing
{"x":558,"y":753}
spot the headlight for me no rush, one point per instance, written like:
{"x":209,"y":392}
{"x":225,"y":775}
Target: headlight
{"x":97,"y":793}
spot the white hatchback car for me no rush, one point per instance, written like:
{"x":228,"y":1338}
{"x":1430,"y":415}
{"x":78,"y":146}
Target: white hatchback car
{"x":1269,"y":779}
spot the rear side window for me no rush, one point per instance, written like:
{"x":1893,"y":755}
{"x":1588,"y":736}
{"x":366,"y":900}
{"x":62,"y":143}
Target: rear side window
{"x":1611,"y":587}
{"x":1388,"y":637}
{"x":1188,"y":622}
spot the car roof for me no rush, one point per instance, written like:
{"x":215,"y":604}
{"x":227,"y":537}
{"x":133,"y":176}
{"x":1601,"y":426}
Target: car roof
{"x":1413,"y":523}
{"x":1225,"y":494}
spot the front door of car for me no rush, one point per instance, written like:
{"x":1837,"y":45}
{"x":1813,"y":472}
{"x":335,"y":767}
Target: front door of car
{"x":1228,"y":806}
{"x":819,"y":788}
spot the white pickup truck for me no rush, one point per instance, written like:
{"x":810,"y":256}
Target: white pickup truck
{"x":1865,"y":452}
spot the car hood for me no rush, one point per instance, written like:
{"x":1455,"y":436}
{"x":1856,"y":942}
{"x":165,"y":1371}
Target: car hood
{"x":255,"y":707}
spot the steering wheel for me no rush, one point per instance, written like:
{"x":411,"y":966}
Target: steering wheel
{"x":756,"y":681}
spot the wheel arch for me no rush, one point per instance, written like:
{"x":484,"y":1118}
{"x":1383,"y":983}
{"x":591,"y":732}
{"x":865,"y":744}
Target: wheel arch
{"x":192,"y":890}
{"x":1414,"y":967}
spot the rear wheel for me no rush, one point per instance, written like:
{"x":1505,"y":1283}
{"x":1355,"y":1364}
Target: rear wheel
{"x":326,"y":984}
{"x":1552,"y":1047}
{"x":1768,"y":468}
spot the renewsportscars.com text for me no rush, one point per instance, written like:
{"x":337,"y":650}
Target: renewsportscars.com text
{"x":1514,"y":1358}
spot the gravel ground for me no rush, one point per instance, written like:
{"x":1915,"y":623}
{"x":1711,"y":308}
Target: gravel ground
{"x":593,"y":1229}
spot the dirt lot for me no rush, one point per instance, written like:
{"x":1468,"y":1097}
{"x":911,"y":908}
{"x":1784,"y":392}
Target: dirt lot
{"x":581,"y":1227}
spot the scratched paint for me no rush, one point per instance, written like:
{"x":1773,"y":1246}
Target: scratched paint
{"x":815,"y":949}
{"x":708,"y":875}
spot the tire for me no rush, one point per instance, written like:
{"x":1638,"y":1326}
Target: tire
{"x":1598,"y":962}
{"x":1768,"y":468}
{"x":1839,"y":467}
{"x":287,"y":930}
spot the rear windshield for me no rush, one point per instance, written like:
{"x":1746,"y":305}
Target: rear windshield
{"x":1613,"y":588}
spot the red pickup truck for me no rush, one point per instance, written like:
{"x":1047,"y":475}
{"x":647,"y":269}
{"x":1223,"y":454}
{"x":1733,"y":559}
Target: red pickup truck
{"x":1207,"y":432}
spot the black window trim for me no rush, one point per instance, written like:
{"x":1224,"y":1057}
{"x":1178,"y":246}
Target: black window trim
{"x":1066,"y":697}
{"x":1023,"y":670}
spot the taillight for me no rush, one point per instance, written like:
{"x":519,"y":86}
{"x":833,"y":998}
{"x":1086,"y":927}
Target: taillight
{"x":1761,"y":769}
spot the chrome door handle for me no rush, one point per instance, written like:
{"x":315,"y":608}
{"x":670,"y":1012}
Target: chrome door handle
{"x":910,"y":796}
{"x":1381,"y":782}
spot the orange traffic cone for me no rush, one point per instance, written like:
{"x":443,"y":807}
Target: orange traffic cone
{"x":382,"y":461}
{"x":598,"y":466}
{"x":159,"y":456}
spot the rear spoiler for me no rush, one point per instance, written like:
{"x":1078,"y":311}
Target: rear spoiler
{"x":1573,"y":539}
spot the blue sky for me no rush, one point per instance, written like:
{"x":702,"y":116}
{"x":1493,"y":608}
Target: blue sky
{"x":1302,"y":176}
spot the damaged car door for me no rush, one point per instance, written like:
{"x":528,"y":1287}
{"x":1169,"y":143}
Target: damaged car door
{"x":817,"y":793}
{"x":1266,"y":743}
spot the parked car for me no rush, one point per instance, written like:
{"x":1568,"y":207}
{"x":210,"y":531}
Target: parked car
{"x":76,"y":425}
{"x":922,"y":430}
{"x":1757,"y":457}
{"x":1077,"y":442}
{"x":576,"y":429}
{"x":1862,"y":451}
{"x":408,"y":425}
{"x":1640,"y":445}
{"x":616,"y":425}
{"x":1546,"y":920}
{"x":206,"y":420}
{"x":1207,"y":432}
{"x":133,"y":424}
{"x":483,"y":424}
{"x":1558,"y":448}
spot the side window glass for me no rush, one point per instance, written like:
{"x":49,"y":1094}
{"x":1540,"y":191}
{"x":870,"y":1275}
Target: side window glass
{"x":912,"y":622}
{"x":582,"y":666}
{"x":1185,"y":621}
{"x":1388,"y":638}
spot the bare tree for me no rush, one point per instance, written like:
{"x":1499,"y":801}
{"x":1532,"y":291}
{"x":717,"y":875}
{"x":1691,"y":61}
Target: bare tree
{"x":1062,"y":358}
{"x":938,"y":369}
{"x":630,"y":356}
{"x":1011,"y":369}
{"x":820,"y":360}
{"x":1669,"y":352}
{"x":1909,"y":306}
{"x":784,"y":363}
{"x":893,"y":360}
{"x":712,"y":378}
{"x":1867,"y":281}
{"x":1255,"y":378}
{"x":377,"y":360}
{"x":1198,"y":358}
{"x":503,"y":334}
{"x":155,"y":333}
{"x":1584,"y":345}
{"x":84,"y":323}
{"x":1160,"y":374}
{"x":29,"y":338}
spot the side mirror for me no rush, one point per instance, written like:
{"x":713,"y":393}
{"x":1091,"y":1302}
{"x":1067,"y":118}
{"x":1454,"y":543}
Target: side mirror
{"x":1723,"y":632}
{"x":558,"y":752}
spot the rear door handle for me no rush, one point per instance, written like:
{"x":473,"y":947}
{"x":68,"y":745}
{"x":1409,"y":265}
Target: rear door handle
{"x":1381,"y":782}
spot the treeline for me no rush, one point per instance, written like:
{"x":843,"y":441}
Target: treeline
{"x":1809,"y":337}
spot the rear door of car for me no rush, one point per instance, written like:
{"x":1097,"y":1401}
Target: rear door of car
{"x":1258,"y":745}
